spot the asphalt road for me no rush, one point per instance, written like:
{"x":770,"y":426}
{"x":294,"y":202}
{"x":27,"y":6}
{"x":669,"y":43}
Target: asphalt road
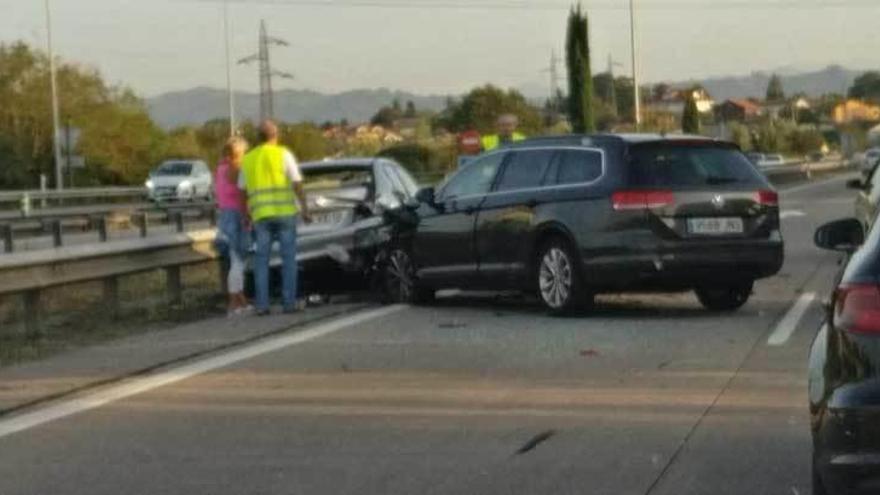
{"x":477,"y":395}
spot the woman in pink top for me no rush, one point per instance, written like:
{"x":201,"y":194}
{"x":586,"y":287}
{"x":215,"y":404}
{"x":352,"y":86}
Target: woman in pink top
{"x":232,"y":233}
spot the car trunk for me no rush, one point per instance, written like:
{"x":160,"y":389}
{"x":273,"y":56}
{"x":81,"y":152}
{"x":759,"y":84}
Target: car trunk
{"x":702,"y":190}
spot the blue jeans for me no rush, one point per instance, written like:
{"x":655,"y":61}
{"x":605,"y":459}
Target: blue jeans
{"x":282,"y":229}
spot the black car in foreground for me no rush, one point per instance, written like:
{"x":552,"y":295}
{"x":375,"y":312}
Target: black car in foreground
{"x":345,"y":246}
{"x":569,"y":217}
{"x":844,"y":369}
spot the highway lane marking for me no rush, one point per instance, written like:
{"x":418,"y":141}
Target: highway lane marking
{"x":792,"y":213}
{"x":136,"y":386}
{"x":817,"y":184}
{"x":789,"y":323}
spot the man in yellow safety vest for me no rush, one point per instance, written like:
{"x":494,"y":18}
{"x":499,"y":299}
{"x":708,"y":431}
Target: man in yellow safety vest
{"x":507,"y":134}
{"x":273,"y":182}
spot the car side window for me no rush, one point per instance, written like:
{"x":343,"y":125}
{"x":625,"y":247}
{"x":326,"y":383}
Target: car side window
{"x":475,"y":178}
{"x":524,"y":169}
{"x":578,"y":166}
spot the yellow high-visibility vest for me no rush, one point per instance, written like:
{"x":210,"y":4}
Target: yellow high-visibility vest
{"x":269,"y":190}
{"x":493,"y":141}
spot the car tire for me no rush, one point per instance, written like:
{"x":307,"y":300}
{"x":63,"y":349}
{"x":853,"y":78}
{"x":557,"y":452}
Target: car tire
{"x":816,"y":482}
{"x":728,"y":298}
{"x":399,"y":282}
{"x":558,"y":279}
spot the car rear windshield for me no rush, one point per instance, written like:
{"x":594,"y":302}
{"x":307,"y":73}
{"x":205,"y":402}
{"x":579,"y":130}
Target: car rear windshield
{"x":352,"y":183}
{"x":690,"y":165}
{"x":174,"y":168}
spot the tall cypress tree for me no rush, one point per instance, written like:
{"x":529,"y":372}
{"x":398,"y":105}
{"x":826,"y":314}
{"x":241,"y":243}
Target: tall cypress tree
{"x":580,"y":80}
{"x":690,"y":117}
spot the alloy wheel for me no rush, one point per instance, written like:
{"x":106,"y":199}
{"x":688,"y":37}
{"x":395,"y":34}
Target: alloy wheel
{"x":555,"y":278}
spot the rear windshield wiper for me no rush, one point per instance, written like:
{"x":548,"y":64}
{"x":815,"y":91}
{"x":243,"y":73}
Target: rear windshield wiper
{"x":714,"y":181}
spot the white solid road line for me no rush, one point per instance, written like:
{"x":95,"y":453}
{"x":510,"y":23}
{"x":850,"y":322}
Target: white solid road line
{"x":139,"y":385}
{"x":789,"y":323}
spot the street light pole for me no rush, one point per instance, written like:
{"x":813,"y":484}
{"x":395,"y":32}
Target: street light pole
{"x":635,"y":65}
{"x":56,"y":119}
{"x":229,"y":88}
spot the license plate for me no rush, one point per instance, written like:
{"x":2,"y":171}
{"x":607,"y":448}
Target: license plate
{"x":330,"y":217}
{"x":715,"y":226}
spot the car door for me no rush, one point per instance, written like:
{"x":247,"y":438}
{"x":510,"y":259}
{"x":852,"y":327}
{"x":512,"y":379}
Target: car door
{"x":443,"y":245}
{"x":507,"y":217}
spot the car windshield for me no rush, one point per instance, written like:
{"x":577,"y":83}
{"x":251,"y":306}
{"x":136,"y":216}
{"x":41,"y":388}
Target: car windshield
{"x":174,"y":168}
{"x":351,"y":183}
{"x":690,"y":165}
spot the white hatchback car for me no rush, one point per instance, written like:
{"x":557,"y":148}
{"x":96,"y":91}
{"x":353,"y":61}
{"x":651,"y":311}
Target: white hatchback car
{"x":183,"y":180}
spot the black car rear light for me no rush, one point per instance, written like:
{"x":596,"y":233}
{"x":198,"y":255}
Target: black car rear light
{"x":642,"y":199}
{"x":767,"y":197}
{"x":857,"y":309}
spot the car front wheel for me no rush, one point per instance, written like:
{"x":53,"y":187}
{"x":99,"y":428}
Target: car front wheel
{"x":559,"y":283}
{"x":727,"y":298}
{"x":399,"y":281}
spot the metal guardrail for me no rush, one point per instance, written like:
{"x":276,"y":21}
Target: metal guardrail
{"x":29,"y":273}
{"x":29,"y":201}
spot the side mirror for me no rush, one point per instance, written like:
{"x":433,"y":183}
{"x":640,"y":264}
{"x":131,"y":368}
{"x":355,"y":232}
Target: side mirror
{"x":426,"y":196}
{"x":840,"y":235}
{"x":855,"y":184}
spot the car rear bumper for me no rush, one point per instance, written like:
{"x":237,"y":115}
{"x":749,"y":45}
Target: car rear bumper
{"x":848,"y":451}
{"x":683,"y":266}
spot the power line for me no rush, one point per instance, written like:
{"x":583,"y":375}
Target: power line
{"x":555,"y":6}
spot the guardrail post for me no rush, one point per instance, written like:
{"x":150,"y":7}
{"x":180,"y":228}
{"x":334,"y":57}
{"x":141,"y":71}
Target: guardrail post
{"x":56,"y":233}
{"x":101,"y":225}
{"x":212,"y":215}
{"x":178,"y":220}
{"x":174,"y":286}
{"x":142,"y":220}
{"x":111,"y":295}
{"x":8,"y":245}
{"x":26,"y":205}
{"x":32,"y":313}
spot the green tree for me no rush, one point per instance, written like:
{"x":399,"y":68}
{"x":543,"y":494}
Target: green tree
{"x":690,"y":117}
{"x":119,"y":141}
{"x":580,"y":81}
{"x":480,"y":109}
{"x":775,"y":92}
{"x":866,"y":86}
{"x":305,"y":140}
{"x":386,"y":116}
{"x":410,"y":109}
{"x":740,"y":135}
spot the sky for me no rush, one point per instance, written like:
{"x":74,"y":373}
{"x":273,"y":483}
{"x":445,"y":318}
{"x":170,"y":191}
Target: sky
{"x":441,"y":46}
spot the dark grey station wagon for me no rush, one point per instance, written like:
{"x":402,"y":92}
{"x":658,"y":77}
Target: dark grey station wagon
{"x":569,"y":217}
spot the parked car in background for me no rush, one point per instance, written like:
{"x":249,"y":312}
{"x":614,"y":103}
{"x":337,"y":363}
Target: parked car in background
{"x":570,"y":217}
{"x":772,"y":160}
{"x":868,"y":198}
{"x":754,"y":157}
{"x":844,"y":368}
{"x":352,"y":202}
{"x":180,"y":180}
{"x":869,"y":160}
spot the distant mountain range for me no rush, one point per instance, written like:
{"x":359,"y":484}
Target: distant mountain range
{"x":832,"y":79}
{"x":199,"y":105}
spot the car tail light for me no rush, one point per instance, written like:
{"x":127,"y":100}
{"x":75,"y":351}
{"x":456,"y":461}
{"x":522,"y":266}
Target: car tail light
{"x":642,"y":200}
{"x":767,"y":197}
{"x":857,"y":308}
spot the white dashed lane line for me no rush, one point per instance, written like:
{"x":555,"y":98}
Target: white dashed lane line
{"x":787,"y":325}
